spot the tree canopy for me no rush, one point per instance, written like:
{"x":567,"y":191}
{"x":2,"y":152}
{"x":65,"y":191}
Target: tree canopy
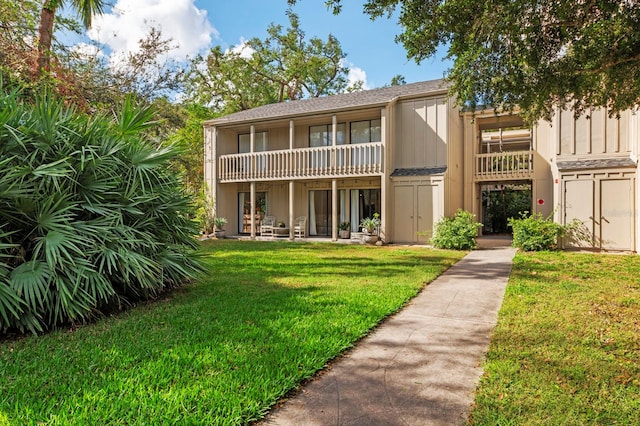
{"x":531,"y":54}
{"x":283,"y":66}
{"x":85,"y":8}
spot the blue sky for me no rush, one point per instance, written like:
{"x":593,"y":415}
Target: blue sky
{"x":197,"y":25}
{"x":369,"y":44}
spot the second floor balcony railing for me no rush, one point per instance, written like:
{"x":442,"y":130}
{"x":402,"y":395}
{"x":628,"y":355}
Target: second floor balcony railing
{"x":506,"y":165}
{"x":331,"y":161}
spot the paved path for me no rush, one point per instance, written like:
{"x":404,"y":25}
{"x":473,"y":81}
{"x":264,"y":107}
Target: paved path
{"x":421,"y":366}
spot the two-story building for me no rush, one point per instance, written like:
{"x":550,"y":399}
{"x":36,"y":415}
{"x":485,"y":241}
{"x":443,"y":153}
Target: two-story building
{"x":406,"y":153}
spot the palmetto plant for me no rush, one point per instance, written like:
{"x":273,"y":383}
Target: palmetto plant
{"x":89,"y":214}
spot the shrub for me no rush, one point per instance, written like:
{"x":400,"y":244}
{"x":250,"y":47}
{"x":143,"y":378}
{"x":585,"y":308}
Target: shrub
{"x":90,"y":215}
{"x":456,"y":233}
{"x":371,"y":224}
{"x":536,"y":233}
{"x":220,"y":222}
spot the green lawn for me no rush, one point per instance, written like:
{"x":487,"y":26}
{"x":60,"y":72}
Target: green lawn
{"x":566,"y":350}
{"x":222,"y":351}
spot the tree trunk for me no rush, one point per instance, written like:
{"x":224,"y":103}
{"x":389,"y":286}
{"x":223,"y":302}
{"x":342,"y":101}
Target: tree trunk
{"x":45,"y":36}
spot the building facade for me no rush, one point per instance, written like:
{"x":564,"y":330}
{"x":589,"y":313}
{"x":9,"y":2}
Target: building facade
{"x":406,"y":153}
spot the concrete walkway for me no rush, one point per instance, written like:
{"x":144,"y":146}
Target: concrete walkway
{"x":421,"y":366}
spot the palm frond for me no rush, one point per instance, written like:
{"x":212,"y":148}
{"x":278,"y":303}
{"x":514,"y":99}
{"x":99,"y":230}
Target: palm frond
{"x":133,"y":119}
{"x":30,"y":282}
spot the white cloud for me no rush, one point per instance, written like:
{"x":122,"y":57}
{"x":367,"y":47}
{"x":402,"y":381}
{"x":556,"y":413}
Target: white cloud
{"x":242,"y":49}
{"x":357,"y":74}
{"x":129,"y":21}
{"x":87,"y":51}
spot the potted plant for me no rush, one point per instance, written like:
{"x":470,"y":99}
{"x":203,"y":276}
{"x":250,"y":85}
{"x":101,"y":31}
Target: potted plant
{"x":345,"y":230}
{"x":219,"y":223}
{"x":370,"y":227}
{"x":281,"y":224}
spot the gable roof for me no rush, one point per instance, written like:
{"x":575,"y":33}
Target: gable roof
{"x":344,"y":101}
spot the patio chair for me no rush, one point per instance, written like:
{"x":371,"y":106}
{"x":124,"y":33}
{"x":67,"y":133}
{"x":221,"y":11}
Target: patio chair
{"x":300,"y":227}
{"x":266,"y":226}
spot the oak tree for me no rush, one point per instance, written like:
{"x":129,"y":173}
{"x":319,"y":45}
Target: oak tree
{"x":530,"y":54}
{"x":284,"y":66}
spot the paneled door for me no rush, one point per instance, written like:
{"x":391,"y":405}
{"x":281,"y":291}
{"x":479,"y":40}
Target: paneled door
{"x":578,"y":204}
{"x":428,"y":210}
{"x":403,"y":215}
{"x":616,"y":214}
{"x":606,"y":208}
{"x":415,"y":209}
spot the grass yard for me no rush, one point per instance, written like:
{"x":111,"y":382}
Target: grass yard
{"x":566,"y":350}
{"x":222,"y":351}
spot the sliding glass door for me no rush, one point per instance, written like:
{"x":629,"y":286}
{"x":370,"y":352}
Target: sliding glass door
{"x":364,"y":203}
{"x":353,"y":206}
{"x":320,"y":212}
{"x":244,"y":210}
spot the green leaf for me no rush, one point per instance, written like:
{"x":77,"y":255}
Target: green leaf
{"x":10,"y":306}
{"x":30,"y":281}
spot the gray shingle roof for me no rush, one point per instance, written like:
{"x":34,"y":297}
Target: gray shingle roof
{"x":605,"y":163}
{"x":365,"y":98}
{"x":419,"y":171}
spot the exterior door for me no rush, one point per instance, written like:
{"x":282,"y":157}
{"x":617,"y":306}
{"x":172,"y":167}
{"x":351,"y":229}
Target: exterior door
{"x":427,"y":194}
{"x":320,"y":209}
{"x":605,"y":208}
{"x":414,"y":211}
{"x":403,"y":215}
{"x":616,"y":214}
{"x":578,"y":204}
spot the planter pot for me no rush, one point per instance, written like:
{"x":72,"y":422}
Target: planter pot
{"x":219,"y":234}
{"x":346,"y":234}
{"x":370,"y":239}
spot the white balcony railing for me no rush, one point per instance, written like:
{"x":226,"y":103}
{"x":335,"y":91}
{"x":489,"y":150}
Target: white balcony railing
{"x":504,"y":166}
{"x":331,"y":161}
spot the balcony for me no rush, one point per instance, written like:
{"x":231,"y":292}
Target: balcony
{"x":305,"y":163}
{"x":509,"y":165}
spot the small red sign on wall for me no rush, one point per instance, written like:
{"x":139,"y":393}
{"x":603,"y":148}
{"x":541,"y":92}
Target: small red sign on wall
{"x":540,"y":202}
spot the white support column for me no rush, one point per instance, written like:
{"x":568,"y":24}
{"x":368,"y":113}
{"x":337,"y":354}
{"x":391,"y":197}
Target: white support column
{"x":291,"y":144}
{"x":291,"y":183}
{"x":334,"y":182}
{"x":210,"y":162}
{"x":253,"y":210}
{"x":252,"y":138}
{"x":334,"y":213}
{"x":334,"y":138}
{"x":291,"y":209}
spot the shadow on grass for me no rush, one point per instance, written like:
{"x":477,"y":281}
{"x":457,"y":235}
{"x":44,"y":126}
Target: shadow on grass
{"x":218,"y":352}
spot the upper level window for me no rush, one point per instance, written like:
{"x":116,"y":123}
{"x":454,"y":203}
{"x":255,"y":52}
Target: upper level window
{"x":260,"y":142}
{"x":323,"y":135}
{"x":366,"y":131}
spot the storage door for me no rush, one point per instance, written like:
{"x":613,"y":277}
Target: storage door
{"x":578,"y":204}
{"x":616,"y":214}
{"x":403,"y":215}
{"x":426,"y":196}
